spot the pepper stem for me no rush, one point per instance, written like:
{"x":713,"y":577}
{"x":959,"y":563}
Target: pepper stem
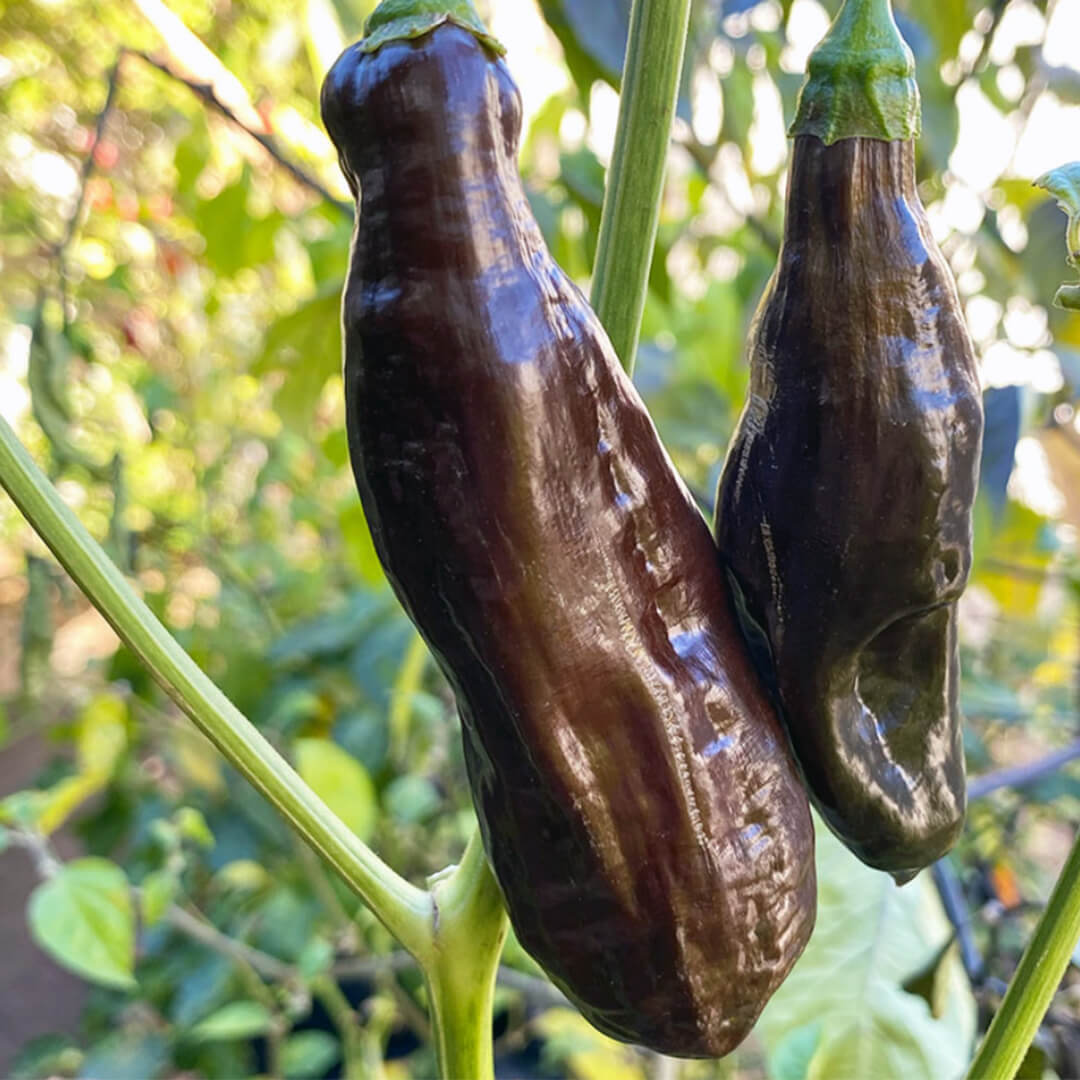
{"x":469,"y":930}
{"x":401,"y":20}
{"x":860,"y":80}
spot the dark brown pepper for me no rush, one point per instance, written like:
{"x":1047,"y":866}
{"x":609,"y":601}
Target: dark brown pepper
{"x":637,"y":797}
{"x":844,"y":509}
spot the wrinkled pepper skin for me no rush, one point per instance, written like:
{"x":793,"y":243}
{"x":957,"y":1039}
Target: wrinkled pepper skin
{"x":636,"y":794}
{"x":844,"y":509}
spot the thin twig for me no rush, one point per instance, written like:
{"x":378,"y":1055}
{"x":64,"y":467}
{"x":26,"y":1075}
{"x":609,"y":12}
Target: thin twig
{"x":345,"y":933}
{"x":46,"y":864}
{"x":956,"y":910}
{"x":343,"y":1015}
{"x":704,"y":157}
{"x":368,"y":967}
{"x":205,"y":933}
{"x":60,"y":247}
{"x":997,"y":10}
{"x":1018,"y":776}
{"x":1019,"y":570}
{"x":539,"y":991}
{"x":193,"y":925}
{"x":413,"y":1015}
{"x":206,"y":92}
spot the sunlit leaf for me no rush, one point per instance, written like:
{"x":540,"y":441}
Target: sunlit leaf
{"x":570,"y":1038}
{"x":306,"y":344}
{"x":102,"y":734}
{"x":56,"y":805}
{"x":341,"y":781}
{"x":127,"y":1055}
{"x":237,"y":1020}
{"x":83,"y":917}
{"x":870,"y":937}
{"x":359,"y":547}
{"x":157,"y":891}
{"x":309,"y":1054}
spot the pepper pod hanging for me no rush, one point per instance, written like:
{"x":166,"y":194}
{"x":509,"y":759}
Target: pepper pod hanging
{"x":637,"y":797}
{"x":845,"y":504}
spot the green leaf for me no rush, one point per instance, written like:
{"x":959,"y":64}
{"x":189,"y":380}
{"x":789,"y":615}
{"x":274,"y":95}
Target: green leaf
{"x":1064,"y":184}
{"x":157,"y":891}
{"x":870,"y":937}
{"x":244,"y":875}
{"x":326,"y":38}
{"x":222,"y":221}
{"x":286,"y":922}
{"x":200,"y":990}
{"x":316,"y":957}
{"x":237,"y":1020}
{"x":1033,"y":1067}
{"x":593,"y":37}
{"x":411,"y":799}
{"x":192,"y":826}
{"x":191,"y":154}
{"x":102,"y":734}
{"x":365,"y":734}
{"x":83,"y":918}
{"x":307,"y":344}
{"x":36,"y":631}
{"x":947,"y":21}
{"x":5,"y":838}
{"x":127,"y":1055}
{"x":738,"y":97}
{"x":46,"y":1055}
{"x":1068,"y":297}
{"x":309,"y":1054}
{"x":359,"y":547}
{"x":341,"y":781}
{"x":793,"y":1054}
{"x":54,"y":806}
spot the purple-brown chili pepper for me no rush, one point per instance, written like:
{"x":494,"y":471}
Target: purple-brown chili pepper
{"x":844,"y":510}
{"x":637,"y":797}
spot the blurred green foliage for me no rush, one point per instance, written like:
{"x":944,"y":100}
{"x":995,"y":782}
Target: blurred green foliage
{"x":174,"y":356}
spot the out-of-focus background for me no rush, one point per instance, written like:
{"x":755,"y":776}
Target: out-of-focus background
{"x":170,"y":352}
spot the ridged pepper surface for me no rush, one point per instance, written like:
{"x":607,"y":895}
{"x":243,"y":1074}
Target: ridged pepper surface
{"x":845,"y":504}
{"x":637,"y":797}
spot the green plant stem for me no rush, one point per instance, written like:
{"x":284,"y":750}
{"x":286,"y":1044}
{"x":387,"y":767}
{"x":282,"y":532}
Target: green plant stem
{"x":407,"y":682}
{"x":1037,"y":978}
{"x":344,"y":1018}
{"x":402,"y":908}
{"x":470,"y":928}
{"x":635,"y":180}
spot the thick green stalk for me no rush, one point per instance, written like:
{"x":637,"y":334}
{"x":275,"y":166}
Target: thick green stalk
{"x":1037,"y":978}
{"x":635,"y":180}
{"x":402,"y":908}
{"x":470,"y":928}
{"x":1044,"y":961}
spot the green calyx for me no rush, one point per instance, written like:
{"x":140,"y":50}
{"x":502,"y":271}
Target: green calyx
{"x":402,"y":20}
{"x":860,"y":80}
{"x":1064,"y":184}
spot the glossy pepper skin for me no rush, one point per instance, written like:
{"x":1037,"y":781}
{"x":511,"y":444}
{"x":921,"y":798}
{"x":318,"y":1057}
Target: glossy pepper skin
{"x":636,"y":794}
{"x":844,"y":510}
